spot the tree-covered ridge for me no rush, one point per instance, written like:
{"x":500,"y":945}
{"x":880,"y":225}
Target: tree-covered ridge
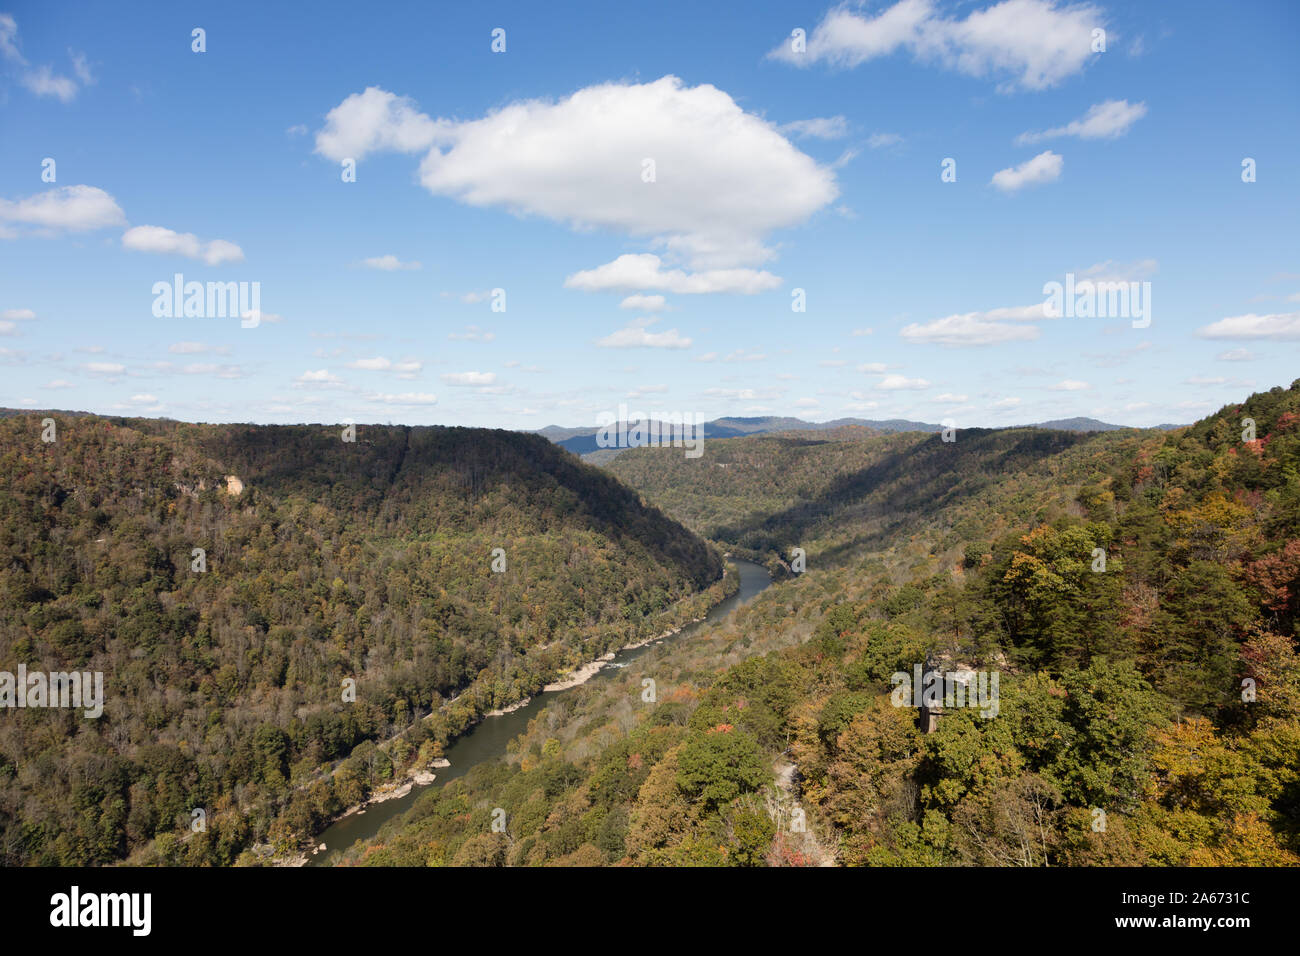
{"x":369,"y":560}
{"x":866,"y":493}
{"x":1149,"y":709}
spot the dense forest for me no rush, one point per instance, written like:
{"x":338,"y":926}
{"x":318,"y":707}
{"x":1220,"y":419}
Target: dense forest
{"x":1137,"y":592}
{"x":286,"y":620}
{"x":859,"y":492}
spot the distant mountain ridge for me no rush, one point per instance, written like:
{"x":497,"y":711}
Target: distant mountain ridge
{"x":582,"y":441}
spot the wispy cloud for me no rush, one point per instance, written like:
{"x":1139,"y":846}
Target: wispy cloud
{"x":1046,"y":167}
{"x":1107,"y":120}
{"x":1033,"y":44}
{"x":389,"y":263}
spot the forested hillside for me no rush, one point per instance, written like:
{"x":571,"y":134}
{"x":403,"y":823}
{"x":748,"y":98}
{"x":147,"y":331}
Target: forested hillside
{"x":322,"y":561}
{"x":1137,"y":593}
{"x":855,"y":491}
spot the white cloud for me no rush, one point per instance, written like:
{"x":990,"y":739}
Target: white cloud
{"x":389,"y":263}
{"x":9,"y":39}
{"x":405,"y":399}
{"x":637,"y":336}
{"x":891,"y":383}
{"x":168,"y":242}
{"x":1278,"y":326}
{"x":104,"y":368}
{"x":1046,"y":167}
{"x":58,"y":383}
{"x":470,"y":378}
{"x":874,"y":368}
{"x":1106,"y":120}
{"x":81,"y":67}
{"x":881,"y":140}
{"x":826,"y":127}
{"x":65,"y":208}
{"x":17,"y":315}
{"x":1112,"y":271}
{"x":7,"y":328}
{"x":861,"y":332}
{"x":1069,"y":385}
{"x":806,"y":403}
{"x":978,"y":328}
{"x":948,"y":398}
{"x":641,"y":390}
{"x":1205,"y":380}
{"x":211,"y":368}
{"x":195,"y":348}
{"x":724,"y":178}
{"x":744,"y":394}
{"x":1236,"y":355}
{"x":644,"y":303}
{"x":375,"y":120}
{"x":45,"y":82}
{"x":644,"y":271}
{"x":319,"y":377}
{"x":407,"y":368}
{"x":1006,"y":403}
{"x":42,"y":80}
{"x":1033,"y":42}
{"x":472,"y":333}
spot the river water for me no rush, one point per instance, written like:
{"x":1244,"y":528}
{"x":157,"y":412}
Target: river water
{"x":487,"y":739}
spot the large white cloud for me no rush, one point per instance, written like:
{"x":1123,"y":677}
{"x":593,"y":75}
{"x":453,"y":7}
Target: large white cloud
{"x":1035,"y":43}
{"x":169,"y":242}
{"x":723,"y":179}
{"x":64,"y":209}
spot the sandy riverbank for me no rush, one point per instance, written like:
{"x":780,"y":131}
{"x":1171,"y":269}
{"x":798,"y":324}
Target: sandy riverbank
{"x":580,"y":676}
{"x":589,"y":670}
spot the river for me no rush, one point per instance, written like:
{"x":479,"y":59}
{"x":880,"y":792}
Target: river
{"x":487,"y":739}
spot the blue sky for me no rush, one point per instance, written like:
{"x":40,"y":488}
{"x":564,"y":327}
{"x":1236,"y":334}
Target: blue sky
{"x":524,"y":171}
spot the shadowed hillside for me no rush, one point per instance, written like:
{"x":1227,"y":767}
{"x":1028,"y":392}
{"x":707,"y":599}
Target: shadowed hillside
{"x":321,"y":561}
